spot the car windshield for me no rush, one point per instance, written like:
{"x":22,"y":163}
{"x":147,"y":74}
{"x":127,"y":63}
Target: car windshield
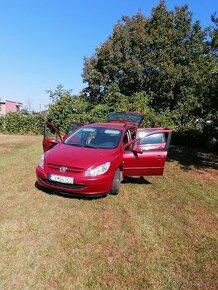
{"x":95,"y":137}
{"x":73,"y":127}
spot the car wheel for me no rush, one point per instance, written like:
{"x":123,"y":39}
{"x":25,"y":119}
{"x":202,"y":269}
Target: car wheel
{"x":116,"y":182}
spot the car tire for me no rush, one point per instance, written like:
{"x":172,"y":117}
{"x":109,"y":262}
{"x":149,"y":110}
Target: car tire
{"x":116,"y":182}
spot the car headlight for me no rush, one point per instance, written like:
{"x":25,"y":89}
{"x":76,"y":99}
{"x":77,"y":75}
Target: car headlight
{"x":99,"y":170}
{"x":41,"y":161}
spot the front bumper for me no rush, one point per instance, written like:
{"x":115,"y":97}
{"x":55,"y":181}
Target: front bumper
{"x":89,"y":186}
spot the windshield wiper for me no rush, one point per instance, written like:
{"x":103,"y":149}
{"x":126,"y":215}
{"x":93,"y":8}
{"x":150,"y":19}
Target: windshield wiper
{"x":90,"y":146}
{"x":80,"y":145}
{"x":74,"y":144}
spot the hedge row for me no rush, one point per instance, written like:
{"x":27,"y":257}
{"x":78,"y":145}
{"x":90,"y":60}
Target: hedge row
{"x":18,"y":123}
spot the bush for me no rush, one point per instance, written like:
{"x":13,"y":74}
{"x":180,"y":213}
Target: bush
{"x":18,"y":123}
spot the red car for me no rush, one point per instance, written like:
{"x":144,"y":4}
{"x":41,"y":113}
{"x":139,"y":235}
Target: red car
{"x":94,"y":159}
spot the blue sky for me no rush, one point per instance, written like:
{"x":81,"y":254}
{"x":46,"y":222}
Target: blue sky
{"x":43,"y":42}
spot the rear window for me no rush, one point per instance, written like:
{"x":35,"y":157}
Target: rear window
{"x":125,"y":116}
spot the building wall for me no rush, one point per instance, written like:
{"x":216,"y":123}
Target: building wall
{"x":9,"y":106}
{"x":2,"y":109}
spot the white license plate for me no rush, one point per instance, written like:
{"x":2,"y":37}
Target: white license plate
{"x":62,"y":179}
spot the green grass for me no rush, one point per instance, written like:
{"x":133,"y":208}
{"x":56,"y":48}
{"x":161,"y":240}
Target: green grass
{"x":158,"y":233}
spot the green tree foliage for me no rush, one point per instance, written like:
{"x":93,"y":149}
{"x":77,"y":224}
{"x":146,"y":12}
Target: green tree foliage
{"x":164,"y":60}
{"x":207,"y":91}
{"x":66,"y":108}
{"x":214,"y":34}
{"x":56,"y":94}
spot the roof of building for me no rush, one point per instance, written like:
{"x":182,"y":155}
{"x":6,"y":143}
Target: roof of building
{"x":3,"y":102}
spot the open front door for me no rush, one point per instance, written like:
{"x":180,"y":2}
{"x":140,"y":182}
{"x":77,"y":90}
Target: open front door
{"x":149,"y":153}
{"x":51,"y":136}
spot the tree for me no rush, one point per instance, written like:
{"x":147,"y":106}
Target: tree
{"x":66,"y":108}
{"x":164,"y":65}
{"x":214,"y":35}
{"x":208,"y":121}
{"x":165,"y":57}
{"x":60,"y":91}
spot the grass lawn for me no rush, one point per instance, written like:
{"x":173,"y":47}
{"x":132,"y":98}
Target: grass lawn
{"x":158,"y":233}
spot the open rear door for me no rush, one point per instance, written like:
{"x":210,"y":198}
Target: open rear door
{"x":149,"y":153}
{"x":51,"y":136}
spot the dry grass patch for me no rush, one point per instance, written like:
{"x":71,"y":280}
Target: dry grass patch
{"x":9,"y":143}
{"x":159,"y":233}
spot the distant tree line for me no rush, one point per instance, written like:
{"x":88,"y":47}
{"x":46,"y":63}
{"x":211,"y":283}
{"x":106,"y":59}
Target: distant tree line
{"x":165,"y":66}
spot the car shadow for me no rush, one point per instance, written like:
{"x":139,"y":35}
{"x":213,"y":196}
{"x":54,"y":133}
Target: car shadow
{"x":189,"y":158}
{"x":135,"y":180}
{"x":70,"y":195}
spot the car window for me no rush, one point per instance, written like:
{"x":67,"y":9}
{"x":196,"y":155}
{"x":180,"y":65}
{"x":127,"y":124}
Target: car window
{"x":132,"y":132}
{"x":95,"y":137}
{"x":158,"y":138}
{"x":128,"y":136}
{"x":125,"y":116}
{"x":153,"y":139}
{"x":125,"y":138}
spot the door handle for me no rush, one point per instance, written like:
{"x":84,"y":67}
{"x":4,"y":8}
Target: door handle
{"x":159,"y":157}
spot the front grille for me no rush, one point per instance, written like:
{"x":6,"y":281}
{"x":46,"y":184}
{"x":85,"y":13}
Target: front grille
{"x":69,"y":168}
{"x":63,"y":185}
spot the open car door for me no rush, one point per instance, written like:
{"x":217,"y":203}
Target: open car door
{"x":51,"y":136}
{"x":148,"y":153}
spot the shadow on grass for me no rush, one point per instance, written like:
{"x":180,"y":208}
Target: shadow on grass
{"x":135,"y":180}
{"x":189,"y":158}
{"x":70,"y":195}
{"x":127,"y":180}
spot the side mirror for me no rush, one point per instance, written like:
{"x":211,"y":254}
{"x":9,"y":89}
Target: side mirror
{"x":138,"y":150}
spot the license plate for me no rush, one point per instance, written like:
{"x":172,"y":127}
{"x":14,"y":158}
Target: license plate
{"x":62,"y":179}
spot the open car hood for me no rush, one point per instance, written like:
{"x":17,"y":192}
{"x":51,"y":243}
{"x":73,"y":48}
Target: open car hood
{"x":123,"y":117}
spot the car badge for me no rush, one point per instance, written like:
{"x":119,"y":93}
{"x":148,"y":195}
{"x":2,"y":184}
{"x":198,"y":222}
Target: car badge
{"x":63,"y":169}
